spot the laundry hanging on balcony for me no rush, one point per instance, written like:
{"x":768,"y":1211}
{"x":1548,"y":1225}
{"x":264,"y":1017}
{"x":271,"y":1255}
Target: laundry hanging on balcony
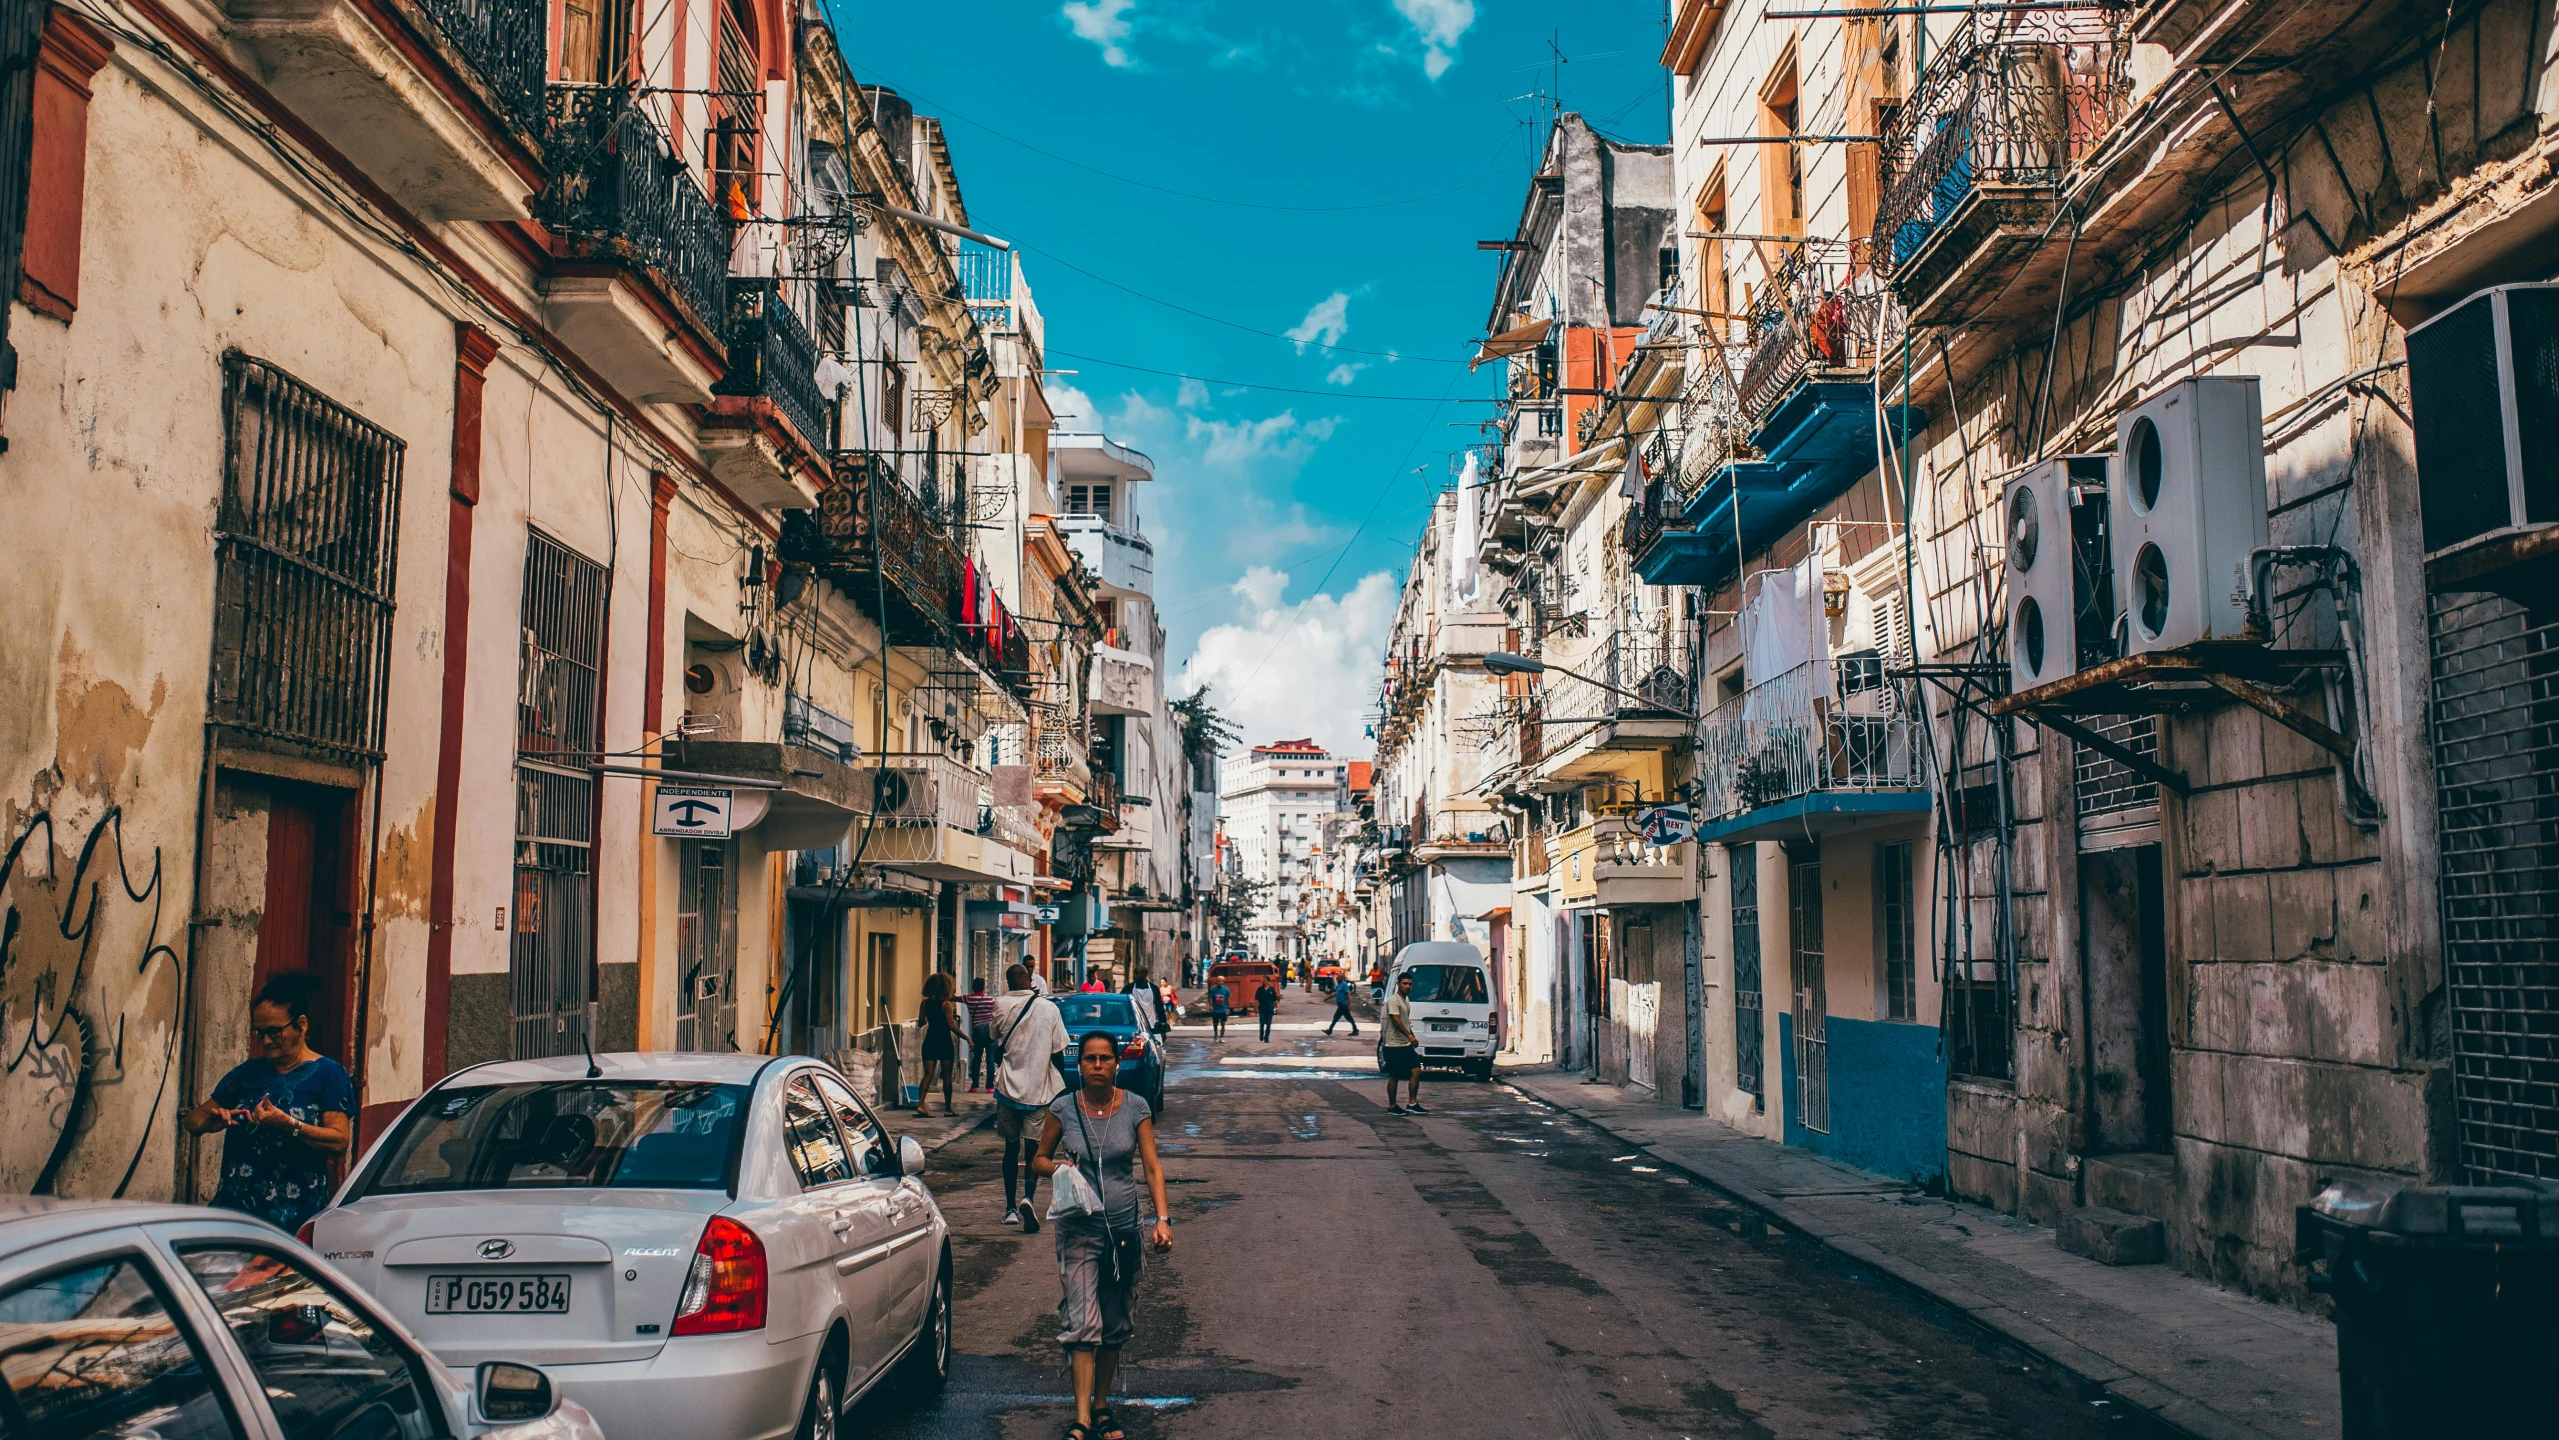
{"x":1785,"y":631}
{"x":1470,"y":502}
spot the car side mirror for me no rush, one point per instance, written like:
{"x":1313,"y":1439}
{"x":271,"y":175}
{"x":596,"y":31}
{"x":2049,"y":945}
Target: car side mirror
{"x":910,"y":1156}
{"x":512,"y":1394}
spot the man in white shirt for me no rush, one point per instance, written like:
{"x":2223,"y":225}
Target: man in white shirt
{"x":1029,"y":1035}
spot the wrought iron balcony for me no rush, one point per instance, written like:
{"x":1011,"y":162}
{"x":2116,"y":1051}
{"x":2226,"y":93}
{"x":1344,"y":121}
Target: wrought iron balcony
{"x":1826,"y":725}
{"x":904,"y":553}
{"x":772,"y":355}
{"x":1821,"y":317}
{"x":508,"y":43}
{"x":620,"y":192}
{"x":1973,"y":164}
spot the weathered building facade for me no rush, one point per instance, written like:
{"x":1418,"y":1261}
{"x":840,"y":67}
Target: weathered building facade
{"x":555,"y":465}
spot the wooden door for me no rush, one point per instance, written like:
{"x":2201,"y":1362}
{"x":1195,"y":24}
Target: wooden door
{"x":308,"y":925}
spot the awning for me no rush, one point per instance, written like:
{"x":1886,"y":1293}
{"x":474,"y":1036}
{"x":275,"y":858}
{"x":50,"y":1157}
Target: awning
{"x":1572,"y":467}
{"x":1512,"y":342}
{"x":811,"y":806}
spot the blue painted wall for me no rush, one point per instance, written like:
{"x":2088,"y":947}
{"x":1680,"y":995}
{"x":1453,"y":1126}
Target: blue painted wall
{"x":1887,"y":1098}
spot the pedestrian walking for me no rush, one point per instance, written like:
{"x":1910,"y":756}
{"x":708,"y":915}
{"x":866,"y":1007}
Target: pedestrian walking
{"x":1221,"y":1001}
{"x":939,"y":1016}
{"x":1105,"y":1133}
{"x":1376,"y":986}
{"x":982,"y":1056}
{"x":1149,"y":1002}
{"x":1266,"y":1005}
{"x":1029,"y":1037}
{"x":287,"y":1113}
{"x":1403,"y":1049}
{"x":1342,"y":1011}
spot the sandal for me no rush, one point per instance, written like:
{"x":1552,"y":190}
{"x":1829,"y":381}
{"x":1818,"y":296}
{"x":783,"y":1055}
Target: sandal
{"x":1075,"y":1431}
{"x":1105,"y":1427}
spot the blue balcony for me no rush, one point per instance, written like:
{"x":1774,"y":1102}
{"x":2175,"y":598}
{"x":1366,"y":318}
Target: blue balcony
{"x":1816,"y":443}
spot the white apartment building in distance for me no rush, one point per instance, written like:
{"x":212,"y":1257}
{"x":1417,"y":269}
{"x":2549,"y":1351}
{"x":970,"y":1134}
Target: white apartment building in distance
{"x":1274,"y":818}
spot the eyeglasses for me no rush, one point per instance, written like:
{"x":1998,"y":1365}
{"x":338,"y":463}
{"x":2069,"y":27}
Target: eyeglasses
{"x":272,"y":1032}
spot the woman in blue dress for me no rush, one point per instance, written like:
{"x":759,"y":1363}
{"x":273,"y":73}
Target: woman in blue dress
{"x":286,"y":1115}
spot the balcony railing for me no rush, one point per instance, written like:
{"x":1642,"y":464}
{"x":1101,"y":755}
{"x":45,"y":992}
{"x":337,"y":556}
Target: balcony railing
{"x":1652,"y":665}
{"x":922,"y":789}
{"x":876,"y":533}
{"x":1821,"y":314}
{"x":618,"y":189}
{"x":508,"y":42}
{"x":2011,"y":101}
{"x":772,"y":355}
{"x":1837,"y":724}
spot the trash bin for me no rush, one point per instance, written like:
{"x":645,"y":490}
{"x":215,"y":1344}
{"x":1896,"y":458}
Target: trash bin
{"x":2447,"y":1305}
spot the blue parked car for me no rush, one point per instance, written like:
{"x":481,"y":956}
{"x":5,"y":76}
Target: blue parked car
{"x":1141,"y":1056}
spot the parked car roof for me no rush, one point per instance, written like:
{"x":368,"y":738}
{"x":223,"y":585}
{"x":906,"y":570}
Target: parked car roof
{"x":28,"y":1221}
{"x":713,"y":1067}
{"x":1439,"y":952}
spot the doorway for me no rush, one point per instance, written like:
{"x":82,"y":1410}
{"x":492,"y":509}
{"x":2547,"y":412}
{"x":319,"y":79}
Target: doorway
{"x":1812,"y":990}
{"x":308,"y":924}
{"x":2123,"y":948}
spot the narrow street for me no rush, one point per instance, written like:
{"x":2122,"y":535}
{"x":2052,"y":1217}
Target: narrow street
{"x":1490,"y":1268}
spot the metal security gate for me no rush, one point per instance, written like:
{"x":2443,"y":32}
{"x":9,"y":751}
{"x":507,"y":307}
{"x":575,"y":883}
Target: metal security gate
{"x":2496,"y":735}
{"x":551,"y":962}
{"x":1812,"y":993}
{"x":706,"y":949}
{"x":1748,"y":998}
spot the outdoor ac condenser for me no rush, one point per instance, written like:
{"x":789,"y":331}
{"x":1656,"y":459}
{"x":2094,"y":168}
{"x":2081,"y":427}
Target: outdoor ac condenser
{"x":2056,"y":564}
{"x":2483,"y":390}
{"x":2187,"y":505}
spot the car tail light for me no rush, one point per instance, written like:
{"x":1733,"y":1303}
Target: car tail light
{"x":303,"y":1234}
{"x":725,"y":1292}
{"x":1133,"y":1050}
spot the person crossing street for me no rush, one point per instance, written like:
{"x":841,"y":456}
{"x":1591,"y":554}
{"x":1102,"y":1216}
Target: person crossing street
{"x":1266,"y":1005}
{"x":1342,"y":1011}
{"x":1403,"y":1049}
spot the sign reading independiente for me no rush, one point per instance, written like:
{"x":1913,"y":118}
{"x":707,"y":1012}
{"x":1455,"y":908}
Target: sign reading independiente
{"x":688,"y":811}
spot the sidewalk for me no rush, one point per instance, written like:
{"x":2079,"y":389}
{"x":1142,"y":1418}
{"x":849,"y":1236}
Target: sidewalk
{"x":937,"y":1130}
{"x":2201,"y":1360}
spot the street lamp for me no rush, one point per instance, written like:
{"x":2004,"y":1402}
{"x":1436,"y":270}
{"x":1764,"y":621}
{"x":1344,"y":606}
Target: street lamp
{"x":1502,"y":662}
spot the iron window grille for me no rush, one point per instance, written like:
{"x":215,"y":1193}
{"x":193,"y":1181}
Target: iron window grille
{"x":2495,"y":722}
{"x":553,"y":946}
{"x":1749,"y":992}
{"x":306,"y":547}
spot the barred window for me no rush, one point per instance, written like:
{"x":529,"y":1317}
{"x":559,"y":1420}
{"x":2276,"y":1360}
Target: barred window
{"x":306,"y":545}
{"x":556,"y":734}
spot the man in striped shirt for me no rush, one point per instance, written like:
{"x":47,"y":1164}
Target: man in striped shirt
{"x":982,"y":1056}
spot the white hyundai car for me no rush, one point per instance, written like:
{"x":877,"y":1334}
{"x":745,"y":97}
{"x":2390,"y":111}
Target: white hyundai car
{"x":705,"y":1246}
{"x":119,"y":1321}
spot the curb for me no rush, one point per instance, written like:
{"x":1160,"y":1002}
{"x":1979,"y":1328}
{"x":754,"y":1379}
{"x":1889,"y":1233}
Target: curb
{"x":2179,"y":1414}
{"x":968,"y":1127}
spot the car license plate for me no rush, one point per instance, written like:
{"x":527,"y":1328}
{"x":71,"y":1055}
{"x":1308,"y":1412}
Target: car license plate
{"x":1448,"y":1024}
{"x":497,"y":1295}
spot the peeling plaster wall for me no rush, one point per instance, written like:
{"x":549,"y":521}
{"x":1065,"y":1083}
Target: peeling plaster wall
{"x":2304,"y":974}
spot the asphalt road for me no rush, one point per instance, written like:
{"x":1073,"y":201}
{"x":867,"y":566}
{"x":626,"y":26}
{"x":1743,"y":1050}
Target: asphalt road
{"x":1493,"y":1268}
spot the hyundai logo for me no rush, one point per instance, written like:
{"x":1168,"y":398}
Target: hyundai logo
{"x":496,"y":1249}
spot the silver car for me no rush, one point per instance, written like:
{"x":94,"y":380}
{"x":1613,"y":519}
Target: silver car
{"x":692,"y":1245}
{"x":127,"y":1320}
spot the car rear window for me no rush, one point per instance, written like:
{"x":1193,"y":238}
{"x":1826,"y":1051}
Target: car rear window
{"x":1083,"y":1011}
{"x":568,"y":1134}
{"x":1449,"y":984}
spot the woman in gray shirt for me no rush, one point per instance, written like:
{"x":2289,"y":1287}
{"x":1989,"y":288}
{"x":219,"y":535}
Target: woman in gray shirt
{"x":1105,"y":1132}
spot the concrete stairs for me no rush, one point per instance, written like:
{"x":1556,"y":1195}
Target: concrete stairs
{"x":2124,"y":1221}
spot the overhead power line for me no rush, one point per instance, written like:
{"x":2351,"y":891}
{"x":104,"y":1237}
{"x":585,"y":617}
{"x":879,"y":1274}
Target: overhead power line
{"x":1390,"y":355}
{"x":1279,"y":389}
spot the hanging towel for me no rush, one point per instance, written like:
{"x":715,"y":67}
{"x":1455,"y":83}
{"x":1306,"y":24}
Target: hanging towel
{"x":968,"y":594}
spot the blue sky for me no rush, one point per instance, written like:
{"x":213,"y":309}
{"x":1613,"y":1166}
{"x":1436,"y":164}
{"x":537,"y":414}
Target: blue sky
{"x":1336,"y":161}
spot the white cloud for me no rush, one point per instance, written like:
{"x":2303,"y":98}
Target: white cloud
{"x":1325,"y":323}
{"x":1235,"y":443}
{"x":1192,"y":395}
{"x":1282,"y":669}
{"x":1106,"y":24}
{"x":1439,"y":24}
{"x":1344,"y":373}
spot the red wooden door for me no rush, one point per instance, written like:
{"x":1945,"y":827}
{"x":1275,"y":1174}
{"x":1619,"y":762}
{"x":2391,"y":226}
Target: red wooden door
{"x":309,"y":918}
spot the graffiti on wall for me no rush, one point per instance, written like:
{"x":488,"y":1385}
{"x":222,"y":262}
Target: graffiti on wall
{"x":54,"y":934}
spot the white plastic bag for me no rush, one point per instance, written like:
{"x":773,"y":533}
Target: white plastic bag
{"x":1070,"y":1195}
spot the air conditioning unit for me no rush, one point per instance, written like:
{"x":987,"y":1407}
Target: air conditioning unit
{"x":2187,"y":506}
{"x":2483,"y":390}
{"x":903,"y":794}
{"x":2056,"y":566}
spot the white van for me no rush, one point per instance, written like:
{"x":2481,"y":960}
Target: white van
{"x":1452,"y":1005}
